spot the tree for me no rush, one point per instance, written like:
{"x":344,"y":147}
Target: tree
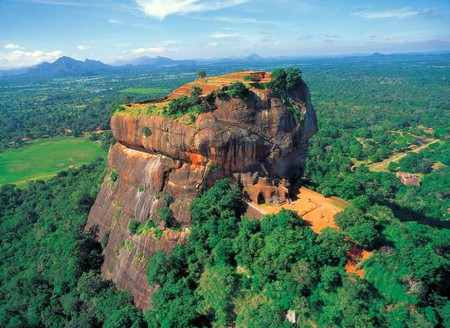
{"x":76,"y":132}
{"x":217,"y":286}
{"x":133,"y":226}
{"x":201,"y":73}
{"x":333,"y":243}
{"x":293,"y":78}
{"x":195,"y":92}
{"x":237,"y":90}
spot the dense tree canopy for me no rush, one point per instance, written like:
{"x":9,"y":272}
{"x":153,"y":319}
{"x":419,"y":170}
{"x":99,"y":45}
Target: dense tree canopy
{"x":254,"y":272}
{"x":50,"y":267}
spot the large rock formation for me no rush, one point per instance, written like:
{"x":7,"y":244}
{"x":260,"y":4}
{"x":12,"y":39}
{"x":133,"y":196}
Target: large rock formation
{"x":256,"y":141}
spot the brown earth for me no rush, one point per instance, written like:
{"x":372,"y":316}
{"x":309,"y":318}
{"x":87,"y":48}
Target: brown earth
{"x":356,"y":255}
{"x":209,"y":84}
{"x":318,"y":211}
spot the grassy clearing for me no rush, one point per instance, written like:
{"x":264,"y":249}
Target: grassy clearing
{"x":144,"y":91}
{"x":43,"y":158}
{"x":337,"y":203}
{"x":383,"y":166}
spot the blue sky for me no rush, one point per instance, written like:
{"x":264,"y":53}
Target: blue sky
{"x":108,"y":30}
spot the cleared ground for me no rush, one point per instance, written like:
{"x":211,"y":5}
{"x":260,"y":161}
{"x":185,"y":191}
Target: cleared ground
{"x":319,"y":211}
{"x":383,"y":166}
{"x":207,"y":85}
{"x":46,"y":157}
{"x":144,"y":91}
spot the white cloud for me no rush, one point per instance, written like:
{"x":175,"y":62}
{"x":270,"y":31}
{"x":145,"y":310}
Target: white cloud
{"x":82,"y":47}
{"x":158,"y":48}
{"x":237,"y":20}
{"x":303,"y":37}
{"x":161,"y":8}
{"x":395,"y":13}
{"x":12,"y":46}
{"x":149,"y":50}
{"x":242,"y":20}
{"x":21,"y":58}
{"x":221,"y":36}
{"x":115,"y":21}
{"x":209,"y":44}
{"x":59,"y":3}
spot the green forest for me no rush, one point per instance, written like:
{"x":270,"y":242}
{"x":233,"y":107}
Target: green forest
{"x":233,"y":270}
{"x":50,"y":266}
{"x":254,"y":273}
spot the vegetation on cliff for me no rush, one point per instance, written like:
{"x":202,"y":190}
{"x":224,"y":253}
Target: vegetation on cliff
{"x":191,"y":104}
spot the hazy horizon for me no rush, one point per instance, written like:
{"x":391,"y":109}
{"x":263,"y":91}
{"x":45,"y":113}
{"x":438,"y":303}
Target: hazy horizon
{"x":112,"y":30}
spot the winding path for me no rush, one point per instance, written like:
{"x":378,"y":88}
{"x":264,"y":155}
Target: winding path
{"x":400,"y":156}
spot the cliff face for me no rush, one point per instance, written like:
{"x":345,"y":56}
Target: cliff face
{"x":254,"y":141}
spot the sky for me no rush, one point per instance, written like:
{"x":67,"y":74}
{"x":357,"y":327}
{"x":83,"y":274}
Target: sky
{"x":33,"y":31}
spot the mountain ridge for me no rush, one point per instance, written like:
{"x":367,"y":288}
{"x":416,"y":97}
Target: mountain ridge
{"x":69,"y":67}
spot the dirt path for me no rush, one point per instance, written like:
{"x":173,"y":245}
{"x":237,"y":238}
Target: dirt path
{"x":400,"y":156}
{"x":257,"y":208}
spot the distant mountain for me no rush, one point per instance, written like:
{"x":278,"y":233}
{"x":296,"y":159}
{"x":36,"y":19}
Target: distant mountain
{"x":254,"y":57}
{"x":13,"y":72}
{"x":155,"y":62}
{"x":66,"y":66}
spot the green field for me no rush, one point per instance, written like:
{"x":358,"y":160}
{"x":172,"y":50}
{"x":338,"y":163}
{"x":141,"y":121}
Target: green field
{"x":45,"y":157}
{"x":143,"y":91}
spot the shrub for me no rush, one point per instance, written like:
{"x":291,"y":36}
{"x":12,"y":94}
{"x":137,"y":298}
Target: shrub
{"x":158,"y":233}
{"x":214,"y":168}
{"x":293,"y":78}
{"x":146,"y":131}
{"x":165,"y":214}
{"x":105,"y":240}
{"x":237,"y":90}
{"x":285,"y":80}
{"x":133,"y":226}
{"x":168,"y":199}
{"x":113,"y":175}
{"x":184,"y":105}
{"x":195,"y":92}
{"x":150,"y":224}
{"x":127,"y":245}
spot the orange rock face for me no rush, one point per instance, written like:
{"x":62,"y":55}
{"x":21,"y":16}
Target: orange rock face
{"x":179,"y":159}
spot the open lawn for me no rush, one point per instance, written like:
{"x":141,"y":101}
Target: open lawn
{"x":43,"y":158}
{"x":144,"y":91}
{"x":383,"y":166}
